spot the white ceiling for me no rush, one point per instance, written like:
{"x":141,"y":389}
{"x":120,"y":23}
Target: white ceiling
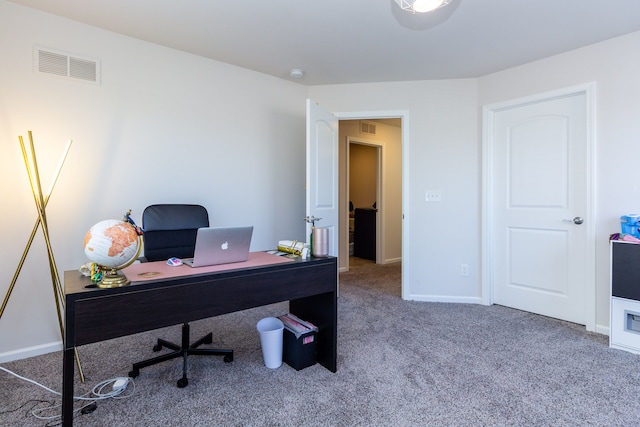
{"x":353,"y":41}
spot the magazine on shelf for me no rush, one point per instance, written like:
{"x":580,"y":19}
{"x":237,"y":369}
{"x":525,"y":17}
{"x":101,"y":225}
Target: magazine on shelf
{"x":296,"y":325}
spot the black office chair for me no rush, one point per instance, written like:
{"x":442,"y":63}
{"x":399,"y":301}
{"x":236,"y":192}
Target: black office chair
{"x":170,"y":231}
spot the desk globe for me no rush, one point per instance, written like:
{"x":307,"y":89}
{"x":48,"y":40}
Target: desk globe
{"x":113,"y":245}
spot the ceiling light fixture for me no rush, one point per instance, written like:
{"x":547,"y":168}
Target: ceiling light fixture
{"x":421,"y":6}
{"x":296,"y":73}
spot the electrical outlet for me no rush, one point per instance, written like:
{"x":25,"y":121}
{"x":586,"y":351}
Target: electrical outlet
{"x":464,"y":269}
{"x":433,"y":196}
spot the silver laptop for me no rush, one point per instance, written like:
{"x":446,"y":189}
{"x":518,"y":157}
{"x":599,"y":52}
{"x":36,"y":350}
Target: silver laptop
{"x":220,"y":245}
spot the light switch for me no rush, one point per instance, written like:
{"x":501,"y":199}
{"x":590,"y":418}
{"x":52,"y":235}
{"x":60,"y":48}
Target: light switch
{"x":433,"y":196}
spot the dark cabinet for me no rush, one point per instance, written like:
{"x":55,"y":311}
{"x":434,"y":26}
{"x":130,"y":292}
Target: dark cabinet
{"x":364,"y":239}
{"x":625,"y":270}
{"x":624,"y":323}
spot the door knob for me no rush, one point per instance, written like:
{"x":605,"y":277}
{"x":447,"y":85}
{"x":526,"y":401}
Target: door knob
{"x":577,"y":220}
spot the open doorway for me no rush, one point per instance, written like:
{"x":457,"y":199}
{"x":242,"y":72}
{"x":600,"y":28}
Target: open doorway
{"x":326,"y":181}
{"x":364,"y":164}
{"x":370,"y":200}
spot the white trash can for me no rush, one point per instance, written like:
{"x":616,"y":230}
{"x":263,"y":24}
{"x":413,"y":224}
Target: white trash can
{"x":271,"y":329}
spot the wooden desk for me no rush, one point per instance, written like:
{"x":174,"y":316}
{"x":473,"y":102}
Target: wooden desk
{"x":93,"y":314}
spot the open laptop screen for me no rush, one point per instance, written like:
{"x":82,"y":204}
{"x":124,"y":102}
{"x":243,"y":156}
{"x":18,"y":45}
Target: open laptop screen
{"x":220,"y":245}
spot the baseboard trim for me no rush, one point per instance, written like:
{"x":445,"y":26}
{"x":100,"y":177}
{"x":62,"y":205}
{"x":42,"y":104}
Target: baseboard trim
{"x":444,"y":298}
{"x":601,"y":329}
{"x":24,"y":353}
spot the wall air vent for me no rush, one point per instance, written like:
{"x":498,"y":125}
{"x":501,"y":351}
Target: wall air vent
{"x":72,"y":67}
{"x":369,"y":128}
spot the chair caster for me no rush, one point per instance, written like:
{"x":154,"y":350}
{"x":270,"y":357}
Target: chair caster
{"x":134,"y":373}
{"x":183,"y":382}
{"x":157,"y":347}
{"x":228,"y":358}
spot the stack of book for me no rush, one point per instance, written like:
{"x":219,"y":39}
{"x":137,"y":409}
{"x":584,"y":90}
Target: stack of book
{"x":290,"y":246}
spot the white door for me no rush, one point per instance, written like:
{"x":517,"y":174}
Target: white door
{"x":322,"y":171}
{"x":540,"y":194}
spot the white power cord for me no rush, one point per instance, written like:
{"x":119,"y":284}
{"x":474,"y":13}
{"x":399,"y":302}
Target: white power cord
{"x":107,"y":389}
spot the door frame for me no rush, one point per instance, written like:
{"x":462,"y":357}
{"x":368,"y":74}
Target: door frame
{"x":488,"y":117}
{"x":380,"y":237}
{"x":404,"y":116}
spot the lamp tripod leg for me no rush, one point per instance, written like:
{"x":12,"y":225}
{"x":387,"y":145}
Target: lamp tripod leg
{"x":41,"y":203}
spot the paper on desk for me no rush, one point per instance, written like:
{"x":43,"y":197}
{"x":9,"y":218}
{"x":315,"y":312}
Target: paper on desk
{"x":291,"y":246}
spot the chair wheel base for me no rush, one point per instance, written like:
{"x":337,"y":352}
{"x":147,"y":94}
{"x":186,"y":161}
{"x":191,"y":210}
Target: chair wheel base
{"x":182,"y":351}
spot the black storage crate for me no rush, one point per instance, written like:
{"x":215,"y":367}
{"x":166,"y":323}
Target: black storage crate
{"x":299,"y":353}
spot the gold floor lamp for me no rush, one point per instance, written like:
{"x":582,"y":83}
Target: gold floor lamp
{"x":41,"y":201}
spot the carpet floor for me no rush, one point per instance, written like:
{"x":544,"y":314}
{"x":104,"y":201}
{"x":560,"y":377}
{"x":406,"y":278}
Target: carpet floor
{"x":400,"y":363}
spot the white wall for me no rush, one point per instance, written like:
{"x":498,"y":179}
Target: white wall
{"x":614,"y":66}
{"x":444,"y":153}
{"x":164,"y":126}
{"x":135,"y":137}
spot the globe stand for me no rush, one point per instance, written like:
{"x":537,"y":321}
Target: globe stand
{"x":113,"y":279}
